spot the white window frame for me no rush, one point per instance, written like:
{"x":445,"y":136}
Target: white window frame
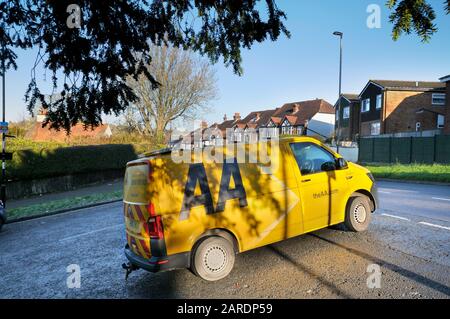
{"x":363,"y":103}
{"x":379,"y":101}
{"x":438,"y":96}
{"x":372,"y":130}
{"x":346,"y":112}
{"x":440,"y":116}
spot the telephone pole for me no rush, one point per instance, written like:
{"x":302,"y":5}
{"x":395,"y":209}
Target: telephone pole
{"x":3,"y":180}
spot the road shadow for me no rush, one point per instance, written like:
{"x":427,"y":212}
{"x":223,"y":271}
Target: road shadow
{"x":400,"y":270}
{"x":332,"y":287}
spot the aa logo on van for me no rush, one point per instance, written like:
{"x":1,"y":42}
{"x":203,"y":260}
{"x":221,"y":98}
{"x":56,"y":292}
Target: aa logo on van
{"x":197,"y":176}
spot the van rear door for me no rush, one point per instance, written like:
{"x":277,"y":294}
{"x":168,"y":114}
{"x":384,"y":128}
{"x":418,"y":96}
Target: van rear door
{"x":137,"y":207}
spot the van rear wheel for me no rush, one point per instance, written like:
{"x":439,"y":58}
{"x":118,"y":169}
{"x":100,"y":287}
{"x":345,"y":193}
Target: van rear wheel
{"x":358,"y":214}
{"x":213,"y":258}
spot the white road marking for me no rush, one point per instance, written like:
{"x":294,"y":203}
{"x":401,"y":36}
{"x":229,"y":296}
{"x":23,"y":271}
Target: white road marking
{"x":434,"y":225}
{"x":394,"y":216}
{"x":384,"y":192}
{"x":91,"y":232}
{"x":393,"y":190}
{"x":440,"y":198}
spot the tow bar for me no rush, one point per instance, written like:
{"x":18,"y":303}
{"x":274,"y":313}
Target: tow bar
{"x":129,"y":267}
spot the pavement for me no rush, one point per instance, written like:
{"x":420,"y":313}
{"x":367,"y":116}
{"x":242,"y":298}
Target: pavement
{"x":408,"y":240}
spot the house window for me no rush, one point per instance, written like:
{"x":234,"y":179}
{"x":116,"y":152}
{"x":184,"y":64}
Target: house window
{"x":440,"y":121}
{"x":379,"y":101}
{"x":375,"y":128}
{"x":418,"y":126}
{"x":365,"y":105}
{"x":287,"y":130}
{"x":346,"y":114}
{"x":438,"y":99}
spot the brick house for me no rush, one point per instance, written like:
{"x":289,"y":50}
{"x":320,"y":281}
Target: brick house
{"x":446,"y":80}
{"x":389,"y":107}
{"x":349,"y":117}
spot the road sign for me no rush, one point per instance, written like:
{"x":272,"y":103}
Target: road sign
{"x":6,"y":156}
{"x":4,"y":127}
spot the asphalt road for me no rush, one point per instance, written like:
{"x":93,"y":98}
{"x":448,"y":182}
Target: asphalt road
{"x":409,"y":239}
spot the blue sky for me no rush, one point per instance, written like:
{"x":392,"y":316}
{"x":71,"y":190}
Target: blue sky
{"x":306,"y":65}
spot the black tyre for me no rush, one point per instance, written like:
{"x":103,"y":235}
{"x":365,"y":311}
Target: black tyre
{"x":213,"y":259}
{"x":358,"y":214}
{"x":1,"y":223}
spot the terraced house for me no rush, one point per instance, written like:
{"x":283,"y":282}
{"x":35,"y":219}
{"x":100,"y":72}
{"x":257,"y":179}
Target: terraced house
{"x":349,"y":117}
{"x":392,"y":107}
{"x":313,"y":117}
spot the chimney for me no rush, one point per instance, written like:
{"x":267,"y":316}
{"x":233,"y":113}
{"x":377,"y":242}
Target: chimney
{"x":296,"y":108}
{"x":204,"y":124}
{"x":224,"y":117}
{"x":236,"y":116}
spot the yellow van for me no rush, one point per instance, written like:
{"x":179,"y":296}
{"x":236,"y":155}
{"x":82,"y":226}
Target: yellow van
{"x":200,"y":214}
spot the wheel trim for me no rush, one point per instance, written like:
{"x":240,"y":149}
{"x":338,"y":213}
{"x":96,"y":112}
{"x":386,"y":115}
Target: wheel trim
{"x":215,"y":259}
{"x":360,"y":213}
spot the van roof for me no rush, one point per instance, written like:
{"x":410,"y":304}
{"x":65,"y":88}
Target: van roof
{"x":285,"y":139}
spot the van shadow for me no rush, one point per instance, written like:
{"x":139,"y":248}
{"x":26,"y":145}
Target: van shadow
{"x":163,"y":285}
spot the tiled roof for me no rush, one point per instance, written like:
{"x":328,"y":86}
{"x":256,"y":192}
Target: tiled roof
{"x":264,"y":118}
{"x":276,"y":120}
{"x":351,"y":96}
{"x":409,"y":85}
{"x":39,"y":133}
{"x":445,"y":78}
{"x":303,"y":111}
{"x":310,"y":107}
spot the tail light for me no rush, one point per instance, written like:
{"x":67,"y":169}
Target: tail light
{"x":155,"y":225}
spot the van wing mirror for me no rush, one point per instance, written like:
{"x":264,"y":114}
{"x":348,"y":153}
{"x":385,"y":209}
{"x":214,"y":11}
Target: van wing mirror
{"x":328,"y":167}
{"x":341,"y":163}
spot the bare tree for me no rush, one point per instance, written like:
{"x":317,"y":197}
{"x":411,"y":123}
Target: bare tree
{"x":186,"y":85}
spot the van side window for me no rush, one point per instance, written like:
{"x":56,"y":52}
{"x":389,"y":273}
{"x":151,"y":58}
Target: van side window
{"x":311,"y":158}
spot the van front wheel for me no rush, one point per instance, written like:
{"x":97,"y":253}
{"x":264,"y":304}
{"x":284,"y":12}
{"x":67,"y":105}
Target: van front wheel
{"x":358,"y":214}
{"x":213,"y":258}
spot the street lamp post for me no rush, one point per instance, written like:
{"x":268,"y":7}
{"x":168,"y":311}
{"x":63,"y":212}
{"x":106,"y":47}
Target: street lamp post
{"x":338,"y":133}
{"x":3,"y":174}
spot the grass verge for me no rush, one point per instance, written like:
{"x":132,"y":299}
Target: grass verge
{"x":62,"y":204}
{"x":415,"y":172}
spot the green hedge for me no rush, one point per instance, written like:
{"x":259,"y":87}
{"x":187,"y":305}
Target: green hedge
{"x":48,"y":162}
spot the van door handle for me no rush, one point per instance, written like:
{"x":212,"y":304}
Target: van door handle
{"x":306,"y":180}
{"x":349,"y":177}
